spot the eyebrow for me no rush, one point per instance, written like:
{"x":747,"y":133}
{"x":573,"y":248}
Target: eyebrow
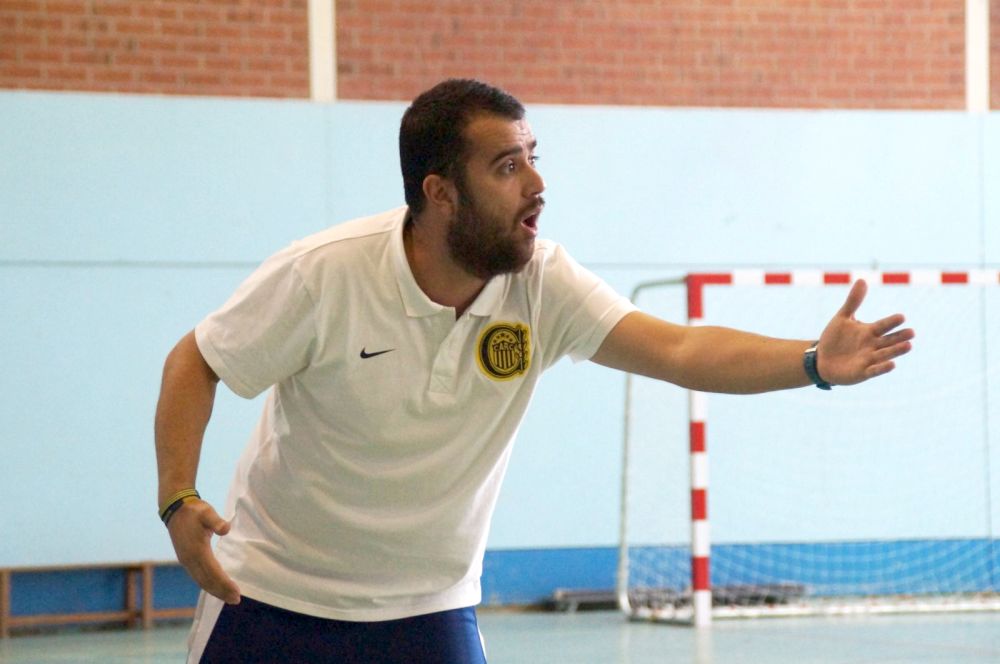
{"x":513,"y":151}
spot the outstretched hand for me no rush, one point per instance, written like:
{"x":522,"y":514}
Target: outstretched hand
{"x":191,"y":530}
{"x":850,"y":351}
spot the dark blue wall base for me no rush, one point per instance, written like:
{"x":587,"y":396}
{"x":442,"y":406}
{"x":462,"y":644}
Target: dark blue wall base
{"x":94,"y":590}
{"x":531,"y":576}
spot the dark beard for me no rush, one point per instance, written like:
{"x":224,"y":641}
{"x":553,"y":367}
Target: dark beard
{"x":482,"y":246}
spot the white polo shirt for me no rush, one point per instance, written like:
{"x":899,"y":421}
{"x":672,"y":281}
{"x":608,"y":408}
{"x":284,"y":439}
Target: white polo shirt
{"x":367,"y":489}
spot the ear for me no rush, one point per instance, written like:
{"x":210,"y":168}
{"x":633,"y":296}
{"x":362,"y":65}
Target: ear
{"x":441,"y":194}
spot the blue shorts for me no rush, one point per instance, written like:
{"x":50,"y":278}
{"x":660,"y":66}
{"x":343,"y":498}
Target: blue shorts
{"x":252,"y":631}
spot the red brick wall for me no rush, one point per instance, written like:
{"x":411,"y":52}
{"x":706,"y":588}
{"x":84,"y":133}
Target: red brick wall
{"x":195,"y":47}
{"x":819,"y":53}
{"x":756,"y":53}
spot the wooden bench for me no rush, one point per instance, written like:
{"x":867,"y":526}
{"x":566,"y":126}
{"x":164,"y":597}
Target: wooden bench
{"x":135,"y":612}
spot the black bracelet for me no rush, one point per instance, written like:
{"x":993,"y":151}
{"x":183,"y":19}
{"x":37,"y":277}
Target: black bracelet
{"x":809,"y":363}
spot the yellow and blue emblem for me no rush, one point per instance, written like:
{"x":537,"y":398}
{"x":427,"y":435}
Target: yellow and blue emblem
{"x":504,"y":350}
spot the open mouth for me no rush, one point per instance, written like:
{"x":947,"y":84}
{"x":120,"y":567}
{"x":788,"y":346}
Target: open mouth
{"x":530,"y":221}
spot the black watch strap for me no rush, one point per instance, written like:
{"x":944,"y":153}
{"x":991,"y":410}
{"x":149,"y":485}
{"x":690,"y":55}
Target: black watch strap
{"x":809,"y":363}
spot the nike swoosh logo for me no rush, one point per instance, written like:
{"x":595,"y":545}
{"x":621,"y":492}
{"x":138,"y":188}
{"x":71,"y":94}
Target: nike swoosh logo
{"x":365,"y":355}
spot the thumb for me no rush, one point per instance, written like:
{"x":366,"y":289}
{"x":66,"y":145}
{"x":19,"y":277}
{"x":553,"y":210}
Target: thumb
{"x":854,"y":299}
{"x":211,"y":520}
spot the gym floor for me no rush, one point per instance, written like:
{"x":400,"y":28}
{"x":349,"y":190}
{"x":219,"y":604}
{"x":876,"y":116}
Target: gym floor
{"x":607,"y":638}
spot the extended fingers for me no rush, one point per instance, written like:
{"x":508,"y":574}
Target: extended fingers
{"x":897,"y":337}
{"x":883,"y":326}
{"x":879,"y":369}
{"x":891,"y":351}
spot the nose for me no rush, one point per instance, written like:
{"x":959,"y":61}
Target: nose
{"x":534,"y":183}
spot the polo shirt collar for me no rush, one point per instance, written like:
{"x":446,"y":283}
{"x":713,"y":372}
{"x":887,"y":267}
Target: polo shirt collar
{"x":416,"y":302}
{"x":491,"y":297}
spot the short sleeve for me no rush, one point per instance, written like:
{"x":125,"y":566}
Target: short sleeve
{"x":264,"y":333}
{"x":578,"y":308}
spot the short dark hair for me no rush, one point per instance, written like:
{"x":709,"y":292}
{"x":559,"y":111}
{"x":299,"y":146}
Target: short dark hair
{"x":431,"y":133}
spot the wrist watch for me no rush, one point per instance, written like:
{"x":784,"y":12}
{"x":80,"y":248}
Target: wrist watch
{"x":809,"y":363}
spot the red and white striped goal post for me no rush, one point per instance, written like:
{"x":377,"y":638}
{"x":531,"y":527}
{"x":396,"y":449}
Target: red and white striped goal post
{"x":696,"y":284}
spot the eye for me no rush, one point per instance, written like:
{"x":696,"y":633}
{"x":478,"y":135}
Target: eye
{"x":510,"y":166}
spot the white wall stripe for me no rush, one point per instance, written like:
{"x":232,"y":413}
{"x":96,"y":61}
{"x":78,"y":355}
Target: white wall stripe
{"x":322,"y":51}
{"x":977,"y":56}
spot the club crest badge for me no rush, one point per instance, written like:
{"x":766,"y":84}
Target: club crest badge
{"x":504,"y":350}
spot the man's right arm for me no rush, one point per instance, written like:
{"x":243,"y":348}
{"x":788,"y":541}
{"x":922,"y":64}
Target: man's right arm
{"x":187,"y":395}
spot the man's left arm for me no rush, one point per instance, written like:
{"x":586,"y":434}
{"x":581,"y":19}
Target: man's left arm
{"x":717,"y":359}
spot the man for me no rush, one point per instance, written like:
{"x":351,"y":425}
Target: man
{"x":401,"y":351}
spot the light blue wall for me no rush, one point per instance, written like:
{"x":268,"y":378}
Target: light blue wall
{"x":124,"y":220}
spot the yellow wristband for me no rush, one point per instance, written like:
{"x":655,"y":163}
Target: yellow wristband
{"x":171,"y":504}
